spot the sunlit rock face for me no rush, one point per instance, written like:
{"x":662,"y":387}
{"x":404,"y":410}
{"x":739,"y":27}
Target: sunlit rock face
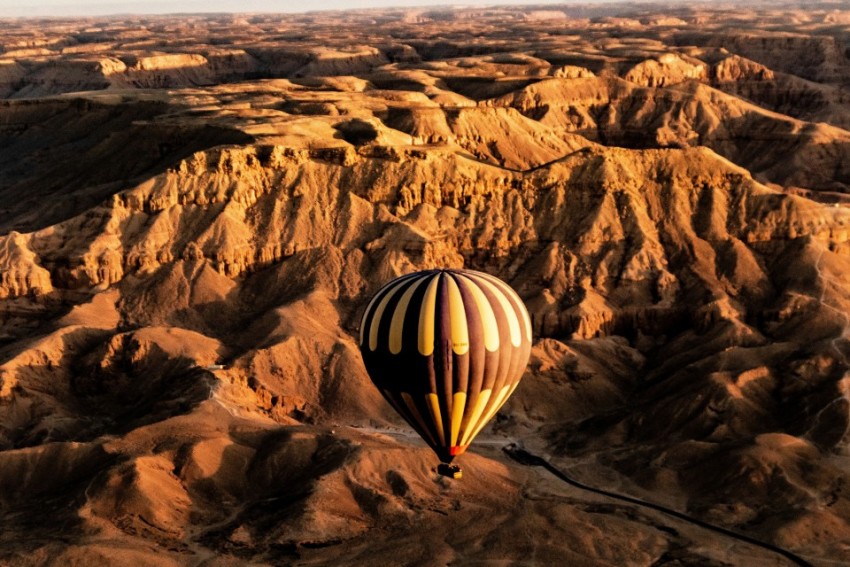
{"x":195,"y":209}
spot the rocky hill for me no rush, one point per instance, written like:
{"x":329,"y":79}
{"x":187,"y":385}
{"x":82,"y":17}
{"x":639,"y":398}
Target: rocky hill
{"x":195,"y":210}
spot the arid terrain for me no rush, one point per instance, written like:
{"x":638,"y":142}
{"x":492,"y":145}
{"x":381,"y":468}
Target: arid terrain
{"x":195,"y":210}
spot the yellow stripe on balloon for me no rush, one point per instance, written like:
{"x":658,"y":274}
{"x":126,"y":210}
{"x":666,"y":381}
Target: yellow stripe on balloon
{"x":510,"y":292}
{"x":379,"y":313}
{"x":480,"y":403}
{"x":510,"y":314}
{"x":426,"y":318}
{"x":491,"y":411}
{"x":369,"y":308}
{"x":457,"y":314}
{"x":436,"y":415}
{"x":488,"y":318}
{"x":458,"y":405}
{"x":397,"y":323}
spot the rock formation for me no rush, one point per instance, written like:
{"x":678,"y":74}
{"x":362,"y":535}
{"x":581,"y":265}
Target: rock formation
{"x":195,"y":209}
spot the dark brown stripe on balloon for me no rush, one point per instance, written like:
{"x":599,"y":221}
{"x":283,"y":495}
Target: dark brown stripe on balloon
{"x":413,"y":369}
{"x":443,"y":355}
{"x":496,"y":373}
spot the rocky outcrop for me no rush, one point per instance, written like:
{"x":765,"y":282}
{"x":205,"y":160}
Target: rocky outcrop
{"x":614,"y":112}
{"x":668,"y":69}
{"x":813,"y":57}
{"x":21,"y":275}
{"x":187,"y":249}
{"x":735,"y":69}
{"x":305,"y":205}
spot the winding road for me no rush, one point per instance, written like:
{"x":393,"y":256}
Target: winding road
{"x":523,"y":457}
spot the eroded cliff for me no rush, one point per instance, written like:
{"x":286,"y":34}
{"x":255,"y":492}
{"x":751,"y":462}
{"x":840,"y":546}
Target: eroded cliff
{"x":187,"y":247}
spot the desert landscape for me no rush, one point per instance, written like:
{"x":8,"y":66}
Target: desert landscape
{"x":195,"y":210}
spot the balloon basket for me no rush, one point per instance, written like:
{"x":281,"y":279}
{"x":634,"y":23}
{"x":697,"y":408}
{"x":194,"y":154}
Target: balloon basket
{"x":450,"y":471}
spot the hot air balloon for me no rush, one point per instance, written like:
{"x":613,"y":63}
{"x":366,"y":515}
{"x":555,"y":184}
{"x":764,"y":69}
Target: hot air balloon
{"x":446,"y":348}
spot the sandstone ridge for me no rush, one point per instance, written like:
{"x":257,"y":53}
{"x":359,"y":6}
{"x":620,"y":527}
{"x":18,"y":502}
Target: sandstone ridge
{"x":192,"y":224}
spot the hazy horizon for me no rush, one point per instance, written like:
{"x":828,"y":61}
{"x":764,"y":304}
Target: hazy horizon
{"x":61,"y":8}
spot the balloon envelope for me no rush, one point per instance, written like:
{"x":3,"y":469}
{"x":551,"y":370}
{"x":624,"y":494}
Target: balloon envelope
{"x":446,"y":348}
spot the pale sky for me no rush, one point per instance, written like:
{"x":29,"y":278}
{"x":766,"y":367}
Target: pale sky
{"x":18,"y":8}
